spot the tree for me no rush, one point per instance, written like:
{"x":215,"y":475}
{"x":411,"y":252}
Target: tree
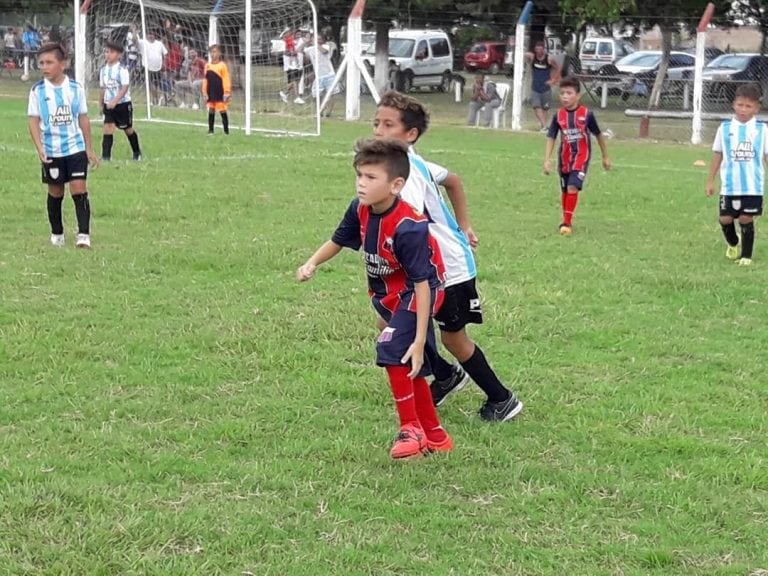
{"x":754,"y":11}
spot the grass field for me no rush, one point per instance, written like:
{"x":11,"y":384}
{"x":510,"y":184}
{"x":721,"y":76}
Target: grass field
{"x":172,"y":402}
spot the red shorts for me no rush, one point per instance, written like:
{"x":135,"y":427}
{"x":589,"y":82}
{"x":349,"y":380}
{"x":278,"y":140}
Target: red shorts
{"x":218,"y":106}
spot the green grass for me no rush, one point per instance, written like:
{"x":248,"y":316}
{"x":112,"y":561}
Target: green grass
{"x":172,"y":402}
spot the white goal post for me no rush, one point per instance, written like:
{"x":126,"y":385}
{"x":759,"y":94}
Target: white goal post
{"x":252,"y":37}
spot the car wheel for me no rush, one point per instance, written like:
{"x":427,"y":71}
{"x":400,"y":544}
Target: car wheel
{"x":445,"y":83}
{"x":494,"y":69}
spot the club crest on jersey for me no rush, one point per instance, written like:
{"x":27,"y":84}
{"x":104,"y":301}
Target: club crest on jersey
{"x":743,"y":151}
{"x":388,"y":244}
{"x":61,"y":117}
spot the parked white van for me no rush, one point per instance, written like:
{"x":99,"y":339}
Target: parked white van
{"x":424,"y":58}
{"x":597,"y":52}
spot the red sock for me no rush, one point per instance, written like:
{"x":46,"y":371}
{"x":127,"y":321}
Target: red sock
{"x":402,"y":391}
{"x":425,"y":408}
{"x":569,"y":207}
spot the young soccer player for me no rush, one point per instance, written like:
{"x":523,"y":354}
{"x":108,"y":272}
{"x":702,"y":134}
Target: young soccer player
{"x":217,"y":89}
{"x":401,"y":117}
{"x":405,"y":274}
{"x":739,"y":152}
{"x":575,"y":122}
{"x":61,"y":132}
{"x":115,"y":102}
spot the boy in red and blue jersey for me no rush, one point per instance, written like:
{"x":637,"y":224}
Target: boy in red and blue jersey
{"x":576,"y":123}
{"x":405,"y":282}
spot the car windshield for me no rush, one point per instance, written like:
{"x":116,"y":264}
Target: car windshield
{"x":478,"y":48}
{"x":644,"y":60}
{"x":398,"y":47}
{"x":589,"y":48}
{"x":729,"y":62}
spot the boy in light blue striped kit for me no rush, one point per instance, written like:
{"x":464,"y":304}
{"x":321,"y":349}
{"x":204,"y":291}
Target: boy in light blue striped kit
{"x":115,"y":101}
{"x":740,"y":150}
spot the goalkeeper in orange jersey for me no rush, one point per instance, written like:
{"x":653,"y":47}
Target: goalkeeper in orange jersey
{"x":217,"y":89}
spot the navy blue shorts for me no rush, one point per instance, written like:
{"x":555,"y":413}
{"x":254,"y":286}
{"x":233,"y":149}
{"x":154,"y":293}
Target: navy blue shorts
{"x":736,"y":206}
{"x":572,"y":180}
{"x":65,"y":169}
{"x":400,"y":332}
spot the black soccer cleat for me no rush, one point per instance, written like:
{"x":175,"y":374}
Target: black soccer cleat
{"x":441,"y":389}
{"x":501,"y":411}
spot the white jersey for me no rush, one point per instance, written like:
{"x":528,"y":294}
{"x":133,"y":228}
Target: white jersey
{"x":744,"y":147}
{"x":321,"y":61}
{"x":59,"y":107}
{"x":112,"y":79}
{"x":422,"y":192}
{"x":155,"y":52}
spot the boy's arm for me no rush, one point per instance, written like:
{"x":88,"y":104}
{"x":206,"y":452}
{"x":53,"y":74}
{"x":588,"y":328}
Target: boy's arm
{"x":548,"y":155}
{"x":554,"y":79}
{"x":415,"y":351}
{"x":116,"y":100}
{"x":34,"y":132}
{"x":714,"y":167}
{"x":327,"y":251}
{"x":602,"y":142}
{"x":85,"y":126}
{"x":227,"y":81}
{"x":454,"y":188}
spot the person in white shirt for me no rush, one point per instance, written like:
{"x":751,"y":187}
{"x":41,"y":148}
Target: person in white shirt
{"x":153,"y":51}
{"x":323,"y":68}
{"x":61,"y":132}
{"x":115,"y":101}
{"x":293,"y":64}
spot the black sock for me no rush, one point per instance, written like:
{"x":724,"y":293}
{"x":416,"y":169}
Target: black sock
{"x":54,"y":214}
{"x":83,"y":212}
{"x":729,"y":231}
{"x":481,"y":372}
{"x":211,"y":120}
{"x":441,"y":369}
{"x":134,"y":140}
{"x":106,"y":146}
{"x":225,"y":122}
{"x":747,"y":239}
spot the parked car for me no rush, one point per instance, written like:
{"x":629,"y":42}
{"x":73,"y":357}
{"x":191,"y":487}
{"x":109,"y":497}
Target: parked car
{"x":710,"y":53}
{"x":367,"y":40}
{"x":597,"y":52}
{"x":646,"y":62}
{"x":487,"y":55}
{"x":724,"y":73}
{"x":421,"y":58}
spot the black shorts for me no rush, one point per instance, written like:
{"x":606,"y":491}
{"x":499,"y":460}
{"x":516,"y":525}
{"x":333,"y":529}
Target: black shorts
{"x":572,"y":180}
{"x":293,"y":75}
{"x":461,"y":306}
{"x":156,"y":78}
{"x":121,"y":115}
{"x":65,"y":169}
{"x":736,"y":206}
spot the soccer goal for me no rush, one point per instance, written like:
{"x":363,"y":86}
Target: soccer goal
{"x":251,"y":35}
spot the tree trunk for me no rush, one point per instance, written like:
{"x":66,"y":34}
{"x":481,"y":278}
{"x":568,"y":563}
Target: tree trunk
{"x":661,"y":74}
{"x":381,"y":68}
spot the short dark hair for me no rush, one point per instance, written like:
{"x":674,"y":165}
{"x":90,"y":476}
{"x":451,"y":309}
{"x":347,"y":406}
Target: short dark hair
{"x":539,"y":43}
{"x":750,"y":91}
{"x":113,"y":45}
{"x":571,"y":82}
{"x":412,"y":112}
{"x":214,"y":47}
{"x":55,"y":47}
{"x":388,"y":152}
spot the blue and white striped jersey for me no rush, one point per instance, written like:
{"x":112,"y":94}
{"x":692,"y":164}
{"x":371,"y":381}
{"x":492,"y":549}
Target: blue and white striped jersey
{"x":112,"y":79}
{"x":744,"y":148}
{"x":421,"y":192}
{"x":58,"y":108}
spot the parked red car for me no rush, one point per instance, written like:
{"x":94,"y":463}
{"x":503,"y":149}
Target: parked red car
{"x":487,"y":55}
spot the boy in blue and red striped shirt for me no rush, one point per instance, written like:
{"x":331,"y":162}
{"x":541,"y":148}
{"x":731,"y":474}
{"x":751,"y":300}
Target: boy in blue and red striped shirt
{"x":405,"y":282}
{"x":575,"y":122}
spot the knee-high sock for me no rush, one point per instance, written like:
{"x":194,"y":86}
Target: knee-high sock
{"x":483,"y":375}
{"x":54,"y":214}
{"x":106,"y":145}
{"x":225,"y":122}
{"x":83,"y":212}
{"x":569,"y":207}
{"x":747,"y":239}
{"x":134,"y":141}
{"x":425,"y":409}
{"x":211,"y":119}
{"x":729,"y":231}
{"x":402,"y":391}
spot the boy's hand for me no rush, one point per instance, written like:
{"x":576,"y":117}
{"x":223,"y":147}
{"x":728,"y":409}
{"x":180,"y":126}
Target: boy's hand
{"x":305,"y":272}
{"x":227,"y":97}
{"x":471,"y":238}
{"x":415,"y":354}
{"x":93,"y":160}
{"x":606,"y":163}
{"x":547,"y":167}
{"x":710,"y":189}
{"x":43,"y":158}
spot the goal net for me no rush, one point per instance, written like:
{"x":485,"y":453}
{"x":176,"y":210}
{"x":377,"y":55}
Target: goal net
{"x":262,"y":99}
